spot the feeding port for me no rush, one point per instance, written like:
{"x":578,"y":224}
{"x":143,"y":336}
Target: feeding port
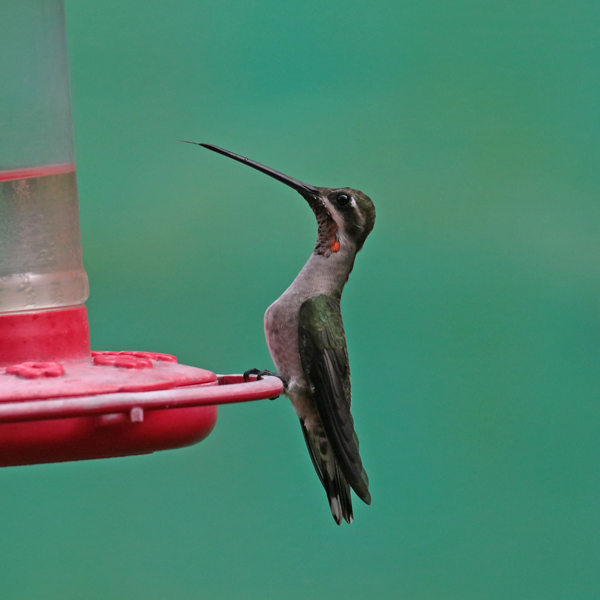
{"x":58,"y":399}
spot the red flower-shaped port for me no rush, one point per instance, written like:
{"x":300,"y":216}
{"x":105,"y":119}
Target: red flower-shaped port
{"x":149,"y":355}
{"x":122,"y":361}
{"x":35,"y":370}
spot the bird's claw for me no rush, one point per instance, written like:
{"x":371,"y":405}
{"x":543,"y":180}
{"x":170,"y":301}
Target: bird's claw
{"x":259,"y":374}
{"x":249,"y":372}
{"x":264,"y":373}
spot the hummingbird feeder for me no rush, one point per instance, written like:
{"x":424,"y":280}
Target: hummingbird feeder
{"x":60,"y":401}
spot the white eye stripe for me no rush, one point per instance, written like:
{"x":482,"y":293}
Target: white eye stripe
{"x":328,"y":205}
{"x":357,"y":210}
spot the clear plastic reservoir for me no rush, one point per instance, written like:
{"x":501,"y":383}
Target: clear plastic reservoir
{"x":40,"y":240}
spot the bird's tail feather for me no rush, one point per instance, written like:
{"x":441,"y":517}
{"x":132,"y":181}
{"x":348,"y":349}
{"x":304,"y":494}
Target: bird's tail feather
{"x":331,"y":476}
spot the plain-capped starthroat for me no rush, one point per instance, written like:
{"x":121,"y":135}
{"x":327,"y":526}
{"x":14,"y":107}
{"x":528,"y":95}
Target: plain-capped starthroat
{"x":306,"y":339}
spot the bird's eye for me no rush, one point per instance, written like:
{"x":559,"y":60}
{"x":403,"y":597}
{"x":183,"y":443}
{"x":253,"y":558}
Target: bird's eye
{"x":343,"y":200}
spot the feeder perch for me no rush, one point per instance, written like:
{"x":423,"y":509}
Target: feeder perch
{"x":58,"y":400}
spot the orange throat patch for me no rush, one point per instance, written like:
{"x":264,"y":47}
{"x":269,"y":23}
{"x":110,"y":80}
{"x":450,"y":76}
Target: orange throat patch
{"x":334,"y":245}
{"x":328,"y":241}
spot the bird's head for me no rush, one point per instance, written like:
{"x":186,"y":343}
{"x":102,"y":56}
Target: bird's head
{"x":345,"y":217}
{"x":350,"y":213}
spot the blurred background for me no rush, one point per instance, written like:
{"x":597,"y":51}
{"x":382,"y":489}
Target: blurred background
{"x":472,"y":314}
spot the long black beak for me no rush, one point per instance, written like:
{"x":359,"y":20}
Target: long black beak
{"x":303,"y":188}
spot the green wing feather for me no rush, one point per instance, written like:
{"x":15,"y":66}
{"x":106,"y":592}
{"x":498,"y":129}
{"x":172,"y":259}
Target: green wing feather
{"x":324,"y":356}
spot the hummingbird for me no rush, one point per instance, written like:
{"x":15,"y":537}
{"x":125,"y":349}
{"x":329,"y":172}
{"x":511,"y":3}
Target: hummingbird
{"x":305,"y":335}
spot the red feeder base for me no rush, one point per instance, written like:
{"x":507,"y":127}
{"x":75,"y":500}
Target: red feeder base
{"x":104,"y":436}
{"x":71,"y":404}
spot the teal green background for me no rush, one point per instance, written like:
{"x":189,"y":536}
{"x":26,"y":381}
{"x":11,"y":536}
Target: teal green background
{"x":472,"y":315}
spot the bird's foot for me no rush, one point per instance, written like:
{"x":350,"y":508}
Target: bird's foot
{"x":265,"y":373}
{"x":259,"y":374}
